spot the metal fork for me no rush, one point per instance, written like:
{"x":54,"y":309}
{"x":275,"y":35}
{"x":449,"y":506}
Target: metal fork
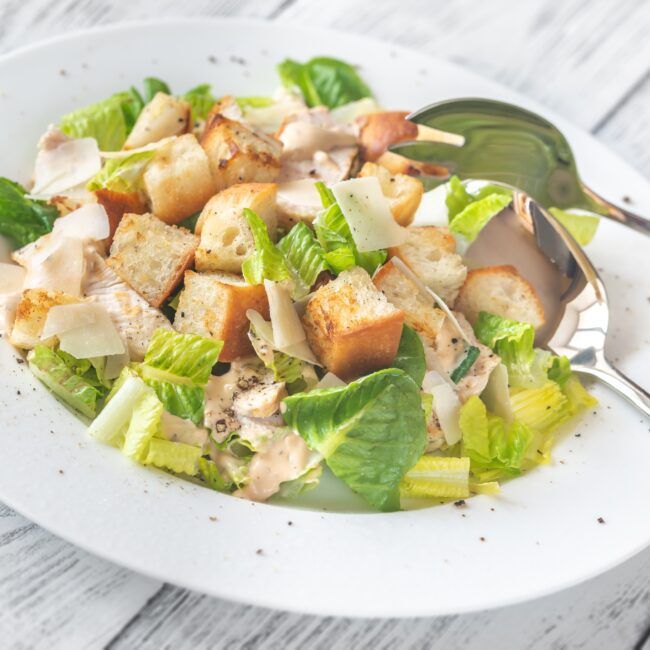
{"x":505,"y":143}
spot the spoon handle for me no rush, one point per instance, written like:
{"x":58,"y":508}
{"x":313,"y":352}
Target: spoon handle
{"x":627,"y":218}
{"x":609,"y":375}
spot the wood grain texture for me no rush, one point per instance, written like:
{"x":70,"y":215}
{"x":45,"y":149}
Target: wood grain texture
{"x":589,"y":60}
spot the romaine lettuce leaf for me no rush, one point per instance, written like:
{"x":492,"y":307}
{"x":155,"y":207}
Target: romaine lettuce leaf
{"x":582,"y":227}
{"x":577,"y":395}
{"x":151,"y":86}
{"x":66,"y":379}
{"x":177,"y":367}
{"x":370,"y":432}
{"x":410,"y":355}
{"x":513,"y":341}
{"x":212,"y":477}
{"x":437,"y":476}
{"x":254,"y":102}
{"x":469,"y":213}
{"x":176,"y":456}
{"x":23,"y":220}
{"x":285,"y":367}
{"x":267,"y":262}
{"x":201,"y":100}
{"x":143,"y":426}
{"x":323,"y":81}
{"x":122,"y":174}
{"x":490,"y":443}
{"x":542,"y":409}
{"x":334,"y":235}
{"x":560,"y":370}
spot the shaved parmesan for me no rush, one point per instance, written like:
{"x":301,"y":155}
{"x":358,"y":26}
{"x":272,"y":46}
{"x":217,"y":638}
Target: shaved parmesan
{"x":115,"y":363}
{"x":87,"y":222}
{"x":368,"y":214}
{"x":58,"y":265}
{"x":94,"y":334}
{"x":66,"y":165}
{"x":330,"y":380}
{"x":496,"y":394}
{"x":12,"y":278}
{"x":8,"y":305}
{"x":287,"y":328}
{"x":446,"y":405}
{"x":125,"y":153}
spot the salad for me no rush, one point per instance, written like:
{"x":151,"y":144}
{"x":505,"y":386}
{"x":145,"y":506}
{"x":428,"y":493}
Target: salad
{"x":232,"y":289}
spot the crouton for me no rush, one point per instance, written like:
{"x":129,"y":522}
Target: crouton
{"x":151,"y":256}
{"x":351,"y":326}
{"x":238,"y":154}
{"x":502,"y":291}
{"x":117,"y":204}
{"x":403,"y":293}
{"x":31,"y":314}
{"x":226,"y":239}
{"x":403,"y":192}
{"x":178,"y":181}
{"x":397,"y":164}
{"x":214,"y":305}
{"x":379,"y":130}
{"x":429,"y":252}
{"x":163,"y":117}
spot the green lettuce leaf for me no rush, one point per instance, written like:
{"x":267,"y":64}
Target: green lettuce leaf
{"x":151,"y":86}
{"x":543,"y":409}
{"x":323,"y":81}
{"x":370,"y":432}
{"x":267,"y":262}
{"x":175,"y":456}
{"x":254,"y":102}
{"x":577,"y":395}
{"x":177,"y":367}
{"x":582,"y":227}
{"x":410,"y":356}
{"x":513,"y":341}
{"x":23,"y":220}
{"x":490,"y":443}
{"x":212,"y":476}
{"x":469,"y":213}
{"x":336,"y":239}
{"x":304,"y":257}
{"x":560,"y":370}
{"x":65,"y":378}
{"x":201,"y":100}
{"x":143,"y":426}
{"x":122,"y":174}
{"x":437,"y":476}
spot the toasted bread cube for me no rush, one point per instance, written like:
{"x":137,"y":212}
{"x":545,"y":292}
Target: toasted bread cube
{"x":178,"y":181}
{"x":214,"y":305}
{"x":351,"y":326}
{"x":151,"y":256}
{"x":500,"y":290}
{"x":429,"y":253}
{"x":163,"y":117}
{"x":401,"y":291}
{"x":238,"y":154}
{"x":117,"y":204}
{"x":226,"y":239}
{"x":397,"y":164}
{"x":31,"y":314}
{"x":403,"y":192}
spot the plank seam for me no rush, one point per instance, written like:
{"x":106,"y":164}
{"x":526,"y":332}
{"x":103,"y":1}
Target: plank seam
{"x":281,"y":8}
{"x":623,"y":99}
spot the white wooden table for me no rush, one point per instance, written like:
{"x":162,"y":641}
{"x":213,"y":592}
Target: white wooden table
{"x":587,"y":59}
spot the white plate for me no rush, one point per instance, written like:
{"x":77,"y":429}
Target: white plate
{"x":541,"y":534}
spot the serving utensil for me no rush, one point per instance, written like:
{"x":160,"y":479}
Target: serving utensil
{"x":508,"y":144}
{"x":573,"y":295}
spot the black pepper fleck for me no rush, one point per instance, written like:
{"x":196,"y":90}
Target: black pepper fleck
{"x":259,"y":551}
{"x":482,"y":539}
{"x":460,"y":503}
{"x":600,"y":520}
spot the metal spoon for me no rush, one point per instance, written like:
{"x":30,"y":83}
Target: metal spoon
{"x":573,"y":295}
{"x":505,"y":143}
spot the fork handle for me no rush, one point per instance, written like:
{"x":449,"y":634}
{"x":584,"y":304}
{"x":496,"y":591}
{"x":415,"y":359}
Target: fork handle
{"x":615,"y":379}
{"x":627,"y":218}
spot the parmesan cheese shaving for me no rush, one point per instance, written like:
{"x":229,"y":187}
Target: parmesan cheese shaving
{"x":12,"y":278}
{"x":446,"y":405}
{"x":87,"y":222}
{"x":368,"y":214}
{"x":125,"y":153}
{"x":287,"y":328}
{"x":330,"y":380}
{"x":58,"y":266}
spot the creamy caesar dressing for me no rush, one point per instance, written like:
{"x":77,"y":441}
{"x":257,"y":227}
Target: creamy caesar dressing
{"x":283,"y":460}
{"x":449,"y":346}
{"x":301,"y":140}
{"x":178,"y":429}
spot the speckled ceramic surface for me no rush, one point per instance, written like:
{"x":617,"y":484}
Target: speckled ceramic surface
{"x":540,"y":535}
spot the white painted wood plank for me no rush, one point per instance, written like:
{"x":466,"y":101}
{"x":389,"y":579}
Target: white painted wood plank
{"x":577,"y":56}
{"x":23,"y":22}
{"x":609,"y":612}
{"x":54,"y":595}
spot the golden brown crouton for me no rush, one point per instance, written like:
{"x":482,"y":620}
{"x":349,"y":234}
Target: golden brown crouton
{"x":163,"y":117}
{"x":214,"y":305}
{"x":151,"y":256}
{"x":429,"y":253}
{"x":351,"y":327}
{"x":397,"y":164}
{"x":401,"y":291}
{"x":502,"y":291}
{"x":178,"y":181}
{"x":238,"y":154}
{"x":31,"y":314}
{"x":226,"y":239}
{"x":117,"y":204}
{"x":403,"y":192}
